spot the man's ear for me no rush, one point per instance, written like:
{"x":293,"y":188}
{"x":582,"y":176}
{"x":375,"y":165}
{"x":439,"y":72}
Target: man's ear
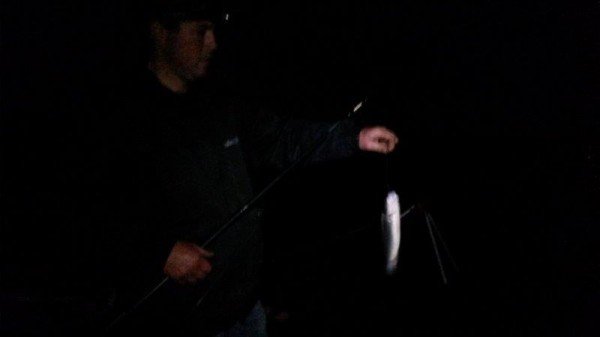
{"x":159,"y":34}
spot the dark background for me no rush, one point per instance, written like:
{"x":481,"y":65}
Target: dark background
{"x":495,"y":103}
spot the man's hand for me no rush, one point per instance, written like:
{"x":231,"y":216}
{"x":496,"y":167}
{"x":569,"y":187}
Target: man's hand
{"x":377,"y":139}
{"x":187,"y":263}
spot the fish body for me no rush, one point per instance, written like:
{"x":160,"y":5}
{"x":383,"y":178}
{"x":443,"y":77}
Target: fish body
{"x":390,"y":228}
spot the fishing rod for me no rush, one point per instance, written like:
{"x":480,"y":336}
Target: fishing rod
{"x":243,"y":210}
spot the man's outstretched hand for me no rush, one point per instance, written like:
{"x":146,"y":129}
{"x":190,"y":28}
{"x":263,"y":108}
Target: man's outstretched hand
{"x":187,"y":263}
{"x":377,"y":139}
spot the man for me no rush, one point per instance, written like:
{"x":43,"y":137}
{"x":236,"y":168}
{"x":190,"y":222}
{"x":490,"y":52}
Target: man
{"x":186,"y":153}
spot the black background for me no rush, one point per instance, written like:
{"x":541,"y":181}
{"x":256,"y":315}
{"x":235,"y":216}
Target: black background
{"x":495,"y":104}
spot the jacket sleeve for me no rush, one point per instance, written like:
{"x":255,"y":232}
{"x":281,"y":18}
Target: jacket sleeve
{"x":274,"y":142}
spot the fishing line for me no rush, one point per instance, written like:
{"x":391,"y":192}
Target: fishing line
{"x":386,"y":174}
{"x":428,"y":221}
{"x":439,"y":235}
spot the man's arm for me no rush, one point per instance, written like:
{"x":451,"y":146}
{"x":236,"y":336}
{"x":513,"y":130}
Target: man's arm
{"x":276,"y":142}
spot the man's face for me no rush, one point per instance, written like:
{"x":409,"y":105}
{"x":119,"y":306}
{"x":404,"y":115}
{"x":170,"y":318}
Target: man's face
{"x":190,"y":48}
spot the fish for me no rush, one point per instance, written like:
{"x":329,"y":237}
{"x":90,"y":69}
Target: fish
{"x":390,"y":230}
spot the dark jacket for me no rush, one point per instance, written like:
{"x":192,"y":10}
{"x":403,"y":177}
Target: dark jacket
{"x":180,"y":168}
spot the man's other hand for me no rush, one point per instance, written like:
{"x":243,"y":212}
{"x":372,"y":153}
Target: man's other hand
{"x":377,"y":139}
{"x":187,"y":263}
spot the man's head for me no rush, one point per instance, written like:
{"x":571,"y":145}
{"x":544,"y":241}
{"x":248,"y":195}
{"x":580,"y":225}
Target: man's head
{"x":182,"y":39}
{"x":185,"y":48}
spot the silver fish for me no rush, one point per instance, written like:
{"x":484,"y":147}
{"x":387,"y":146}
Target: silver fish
{"x":390,"y":229}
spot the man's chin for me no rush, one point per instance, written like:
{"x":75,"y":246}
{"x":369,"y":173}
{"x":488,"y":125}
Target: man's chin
{"x":196,"y":73}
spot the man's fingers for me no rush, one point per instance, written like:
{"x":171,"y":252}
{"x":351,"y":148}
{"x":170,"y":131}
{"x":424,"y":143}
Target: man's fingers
{"x":390,"y":143}
{"x":205,"y":253}
{"x":193,"y":275}
{"x":192,"y":279}
{"x":195,"y":272}
{"x":198,"y":275}
{"x":376,"y":146}
{"x":383,"y":132}
{"x":384,"y":144}
{"x":204,"y":266}
{"x":387,"y":136}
